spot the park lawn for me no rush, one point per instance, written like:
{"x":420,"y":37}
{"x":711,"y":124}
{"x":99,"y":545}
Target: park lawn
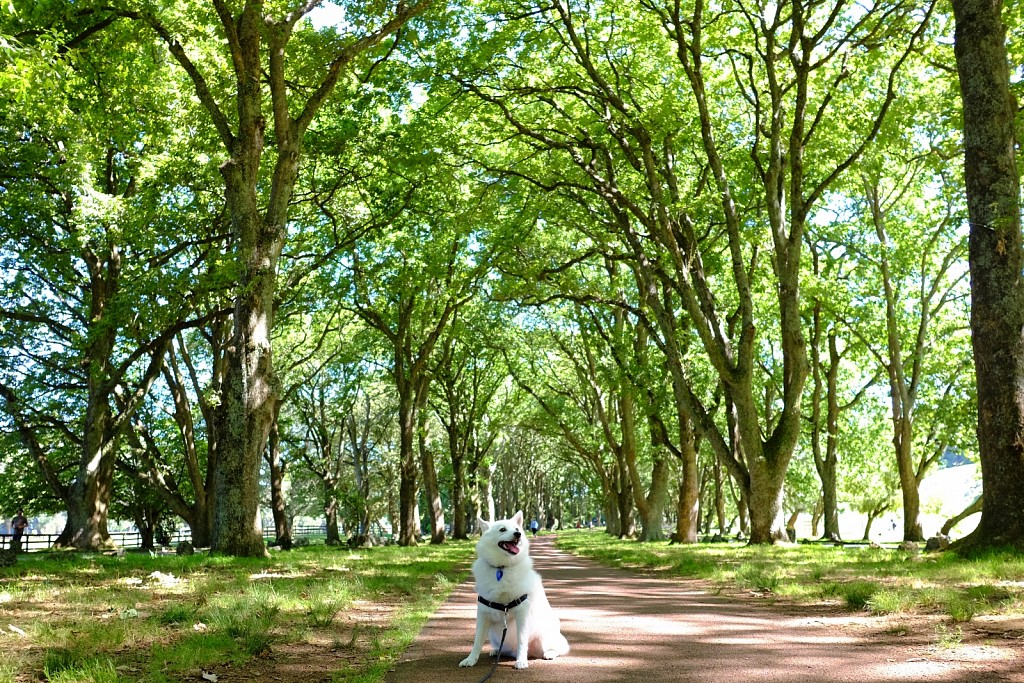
{"x":879,"y":580}
{"x":312,"y":612}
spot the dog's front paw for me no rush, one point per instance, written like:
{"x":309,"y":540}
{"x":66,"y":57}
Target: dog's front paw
{"x":468,"y":661}
{"x":521,"y":664}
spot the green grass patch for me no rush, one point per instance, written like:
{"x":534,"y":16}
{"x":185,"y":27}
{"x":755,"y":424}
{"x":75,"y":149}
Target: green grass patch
{"x":146,"y":619}
{"x":66,"y":666}
{"x":858,"y":594}
{"x":942,"y":583}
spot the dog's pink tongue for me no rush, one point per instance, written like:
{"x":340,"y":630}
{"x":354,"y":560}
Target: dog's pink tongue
{"x":509,"y":547}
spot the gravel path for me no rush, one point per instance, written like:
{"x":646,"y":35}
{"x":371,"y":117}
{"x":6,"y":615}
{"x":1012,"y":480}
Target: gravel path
{"x":626,"y":627}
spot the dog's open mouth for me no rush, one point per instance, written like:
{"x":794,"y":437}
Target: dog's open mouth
{"x":510,"y":547}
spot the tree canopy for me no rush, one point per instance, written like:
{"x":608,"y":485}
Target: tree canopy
{"x":676,"y":267}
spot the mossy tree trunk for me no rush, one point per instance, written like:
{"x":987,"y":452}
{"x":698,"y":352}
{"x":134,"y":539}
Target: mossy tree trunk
{"x":996,"y":261}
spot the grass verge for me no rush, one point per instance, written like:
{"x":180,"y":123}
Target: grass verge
{"x":90,"y":618}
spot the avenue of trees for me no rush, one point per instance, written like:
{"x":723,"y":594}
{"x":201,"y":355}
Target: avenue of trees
{"x":690,"y":267}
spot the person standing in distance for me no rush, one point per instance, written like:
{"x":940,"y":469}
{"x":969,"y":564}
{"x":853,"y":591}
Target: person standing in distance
{"x":19,"y":524}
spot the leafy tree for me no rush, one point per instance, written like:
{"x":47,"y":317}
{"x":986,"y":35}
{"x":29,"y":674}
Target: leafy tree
{"x":100,"y":235}
{"x":759,"y":83}
{"x":918,"y":264}
{"x":408,"y":285}
{"x":831,"y":359}
{"x":176,"y":461}
{"x":468,"y":380}
{"x":869,"y":481}
{"x":256,"y":41}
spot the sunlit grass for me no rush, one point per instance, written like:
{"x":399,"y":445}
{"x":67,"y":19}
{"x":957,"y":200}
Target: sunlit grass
{"x":157,"y":619}
{"x":941,"y":583}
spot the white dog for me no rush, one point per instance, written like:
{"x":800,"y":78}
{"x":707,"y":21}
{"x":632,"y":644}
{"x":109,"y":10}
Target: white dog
{"x":510,"y":590}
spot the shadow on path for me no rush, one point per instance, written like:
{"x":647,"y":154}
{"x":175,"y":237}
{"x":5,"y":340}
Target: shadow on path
{"x":628,"y":627}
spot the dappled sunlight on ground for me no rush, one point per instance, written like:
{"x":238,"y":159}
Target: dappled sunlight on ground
{"x":624,"y":626}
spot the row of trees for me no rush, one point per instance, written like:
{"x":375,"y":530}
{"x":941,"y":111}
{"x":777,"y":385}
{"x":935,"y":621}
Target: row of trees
{"x":662,"y":260}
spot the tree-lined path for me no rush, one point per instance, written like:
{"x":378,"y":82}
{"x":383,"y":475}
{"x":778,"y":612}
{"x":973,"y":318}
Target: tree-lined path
{"x":628,"y":627}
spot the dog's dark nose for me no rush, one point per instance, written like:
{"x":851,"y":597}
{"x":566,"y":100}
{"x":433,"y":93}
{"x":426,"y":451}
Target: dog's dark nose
{"x":517,"y":534}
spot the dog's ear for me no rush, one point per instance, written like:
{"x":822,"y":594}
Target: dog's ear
{"x":518,"y":518}
{"x":482,"y":525}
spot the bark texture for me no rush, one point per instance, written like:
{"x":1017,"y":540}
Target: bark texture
{"x":996,"y":261}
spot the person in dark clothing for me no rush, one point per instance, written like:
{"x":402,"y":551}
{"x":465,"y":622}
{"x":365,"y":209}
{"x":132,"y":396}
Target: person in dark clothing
{"x":18,"y":524}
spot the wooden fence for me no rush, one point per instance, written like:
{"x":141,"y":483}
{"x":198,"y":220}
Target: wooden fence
{"x":133,"y":539}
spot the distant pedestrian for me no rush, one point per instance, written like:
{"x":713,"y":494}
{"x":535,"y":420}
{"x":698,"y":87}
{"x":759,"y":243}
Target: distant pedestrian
{"x":18,"y":524}
{"x":534,"y":526}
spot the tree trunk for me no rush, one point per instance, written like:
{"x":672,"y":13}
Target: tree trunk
{"x":908,"y":484}
{"x":331,"y":512}
{"x":825,"y":390}
{"x":86,"y":525}
{"x":610,"y":503}
{"x":278,"y":505}
{"x":146,"y":536}
{"x":460,"y":529}
{"x":816,"y":516}
{"x":765,"y":504}
{"x":996,"y":260}
{"x":88,"y":497}
{"x":430,"y":486}
{"x":867,"y":527}
{"x":486,"y":489}
{"x":624,"y":501}
{"x":244,"y":428}
{"x":689,"y":486}
{"x":830,"y":463}
{"x":362,"y":476}
{"x":743,"y":511}
{"x":250,"y":390}
{"x":393,"y":516}
{"x":409,"y":525}
{"x":719,"y":497}
{"x":654,"y":521}
{"x":650,"y":506}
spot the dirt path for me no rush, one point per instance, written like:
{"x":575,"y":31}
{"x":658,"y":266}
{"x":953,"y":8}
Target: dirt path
{"x":629,"y":627}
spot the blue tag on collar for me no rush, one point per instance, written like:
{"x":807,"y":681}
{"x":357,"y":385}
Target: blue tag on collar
{"x":500,"y":574}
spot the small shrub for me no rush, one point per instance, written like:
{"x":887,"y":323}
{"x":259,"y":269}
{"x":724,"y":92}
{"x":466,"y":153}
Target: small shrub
{"x":178,"y":613}
{"x":831,"y":589}
{"x":758,"y":578}
{"x":961,"y":609}
{"x":324,"y":605}
{"x":250,"y":619}
{"x":889,"y":601}
{"x":858,"y":594}
{"x":57,"y":660}
{"x":67,"y":666}
{"x":949,"y":638}
{"x":821,"y":571}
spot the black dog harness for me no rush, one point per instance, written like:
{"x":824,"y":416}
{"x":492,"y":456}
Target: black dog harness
{"x":502,"y":607}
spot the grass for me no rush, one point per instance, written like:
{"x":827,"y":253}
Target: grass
{"x":944,"y":584}
{"x":89,"y":618}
